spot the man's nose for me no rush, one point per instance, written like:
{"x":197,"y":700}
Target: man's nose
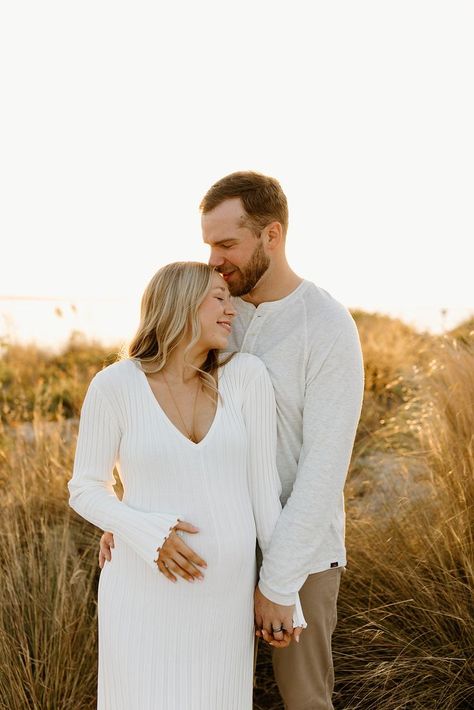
{"x":215,"y":259}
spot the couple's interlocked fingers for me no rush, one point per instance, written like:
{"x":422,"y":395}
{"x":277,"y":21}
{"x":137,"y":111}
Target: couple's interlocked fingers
{"x":274,"y":622}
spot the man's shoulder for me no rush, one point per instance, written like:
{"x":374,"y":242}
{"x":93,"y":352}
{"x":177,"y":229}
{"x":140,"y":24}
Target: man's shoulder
{"x":321,"y":302}
{"x":323,"y":312}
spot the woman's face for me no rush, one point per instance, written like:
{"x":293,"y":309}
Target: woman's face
{"x":216,"y":314}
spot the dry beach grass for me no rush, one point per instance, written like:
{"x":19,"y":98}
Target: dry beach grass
{"x":406,"y":629}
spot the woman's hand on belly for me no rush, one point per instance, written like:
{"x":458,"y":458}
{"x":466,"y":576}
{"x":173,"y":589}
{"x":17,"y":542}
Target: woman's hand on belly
{"x":177,"y":558}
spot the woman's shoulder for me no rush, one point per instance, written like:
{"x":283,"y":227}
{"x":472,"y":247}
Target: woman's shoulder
{"x":244,"y":367}
{"x":115,"y":375}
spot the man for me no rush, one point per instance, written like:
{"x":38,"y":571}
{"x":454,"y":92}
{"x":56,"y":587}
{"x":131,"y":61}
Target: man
{"x":310,"y":345}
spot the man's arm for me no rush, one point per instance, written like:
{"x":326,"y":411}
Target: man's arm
{"x":259,"y":413}
{"x":332,"y":408}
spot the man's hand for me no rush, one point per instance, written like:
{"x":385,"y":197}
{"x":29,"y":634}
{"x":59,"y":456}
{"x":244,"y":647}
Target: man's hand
{"x":106,"y":545}
{"x":270,"y":616}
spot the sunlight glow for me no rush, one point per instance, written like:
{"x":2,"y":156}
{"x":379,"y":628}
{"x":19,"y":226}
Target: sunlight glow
{"x":118,"y":118}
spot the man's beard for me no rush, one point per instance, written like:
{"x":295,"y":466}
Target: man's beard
{"x":246,"y":278}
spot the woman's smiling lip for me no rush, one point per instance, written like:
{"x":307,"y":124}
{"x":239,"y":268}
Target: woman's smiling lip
{"x":225,"y":324}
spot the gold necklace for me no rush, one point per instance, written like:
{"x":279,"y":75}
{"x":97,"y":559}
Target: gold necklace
{"x":192,"y":436}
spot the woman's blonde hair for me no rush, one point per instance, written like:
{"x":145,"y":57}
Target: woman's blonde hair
{"x":169,"y":313}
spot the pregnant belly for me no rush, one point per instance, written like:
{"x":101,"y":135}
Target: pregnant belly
{"x":227,"y":544}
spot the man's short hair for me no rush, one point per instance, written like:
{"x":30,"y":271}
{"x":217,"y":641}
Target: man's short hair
{"x":262,"y":198}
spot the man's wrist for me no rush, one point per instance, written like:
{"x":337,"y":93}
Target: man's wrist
{"x":276,"y":597}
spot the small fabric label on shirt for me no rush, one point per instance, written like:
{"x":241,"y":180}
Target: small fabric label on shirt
{"x":334,"y":564}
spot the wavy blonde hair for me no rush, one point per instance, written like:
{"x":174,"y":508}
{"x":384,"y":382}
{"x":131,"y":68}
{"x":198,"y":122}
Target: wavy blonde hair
{"x":169,"y":314}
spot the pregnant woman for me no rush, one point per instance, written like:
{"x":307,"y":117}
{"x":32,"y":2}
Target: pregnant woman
{"x":193,"y":437}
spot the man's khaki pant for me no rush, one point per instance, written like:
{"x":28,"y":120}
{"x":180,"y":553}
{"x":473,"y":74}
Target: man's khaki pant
{"x":304,"y":672}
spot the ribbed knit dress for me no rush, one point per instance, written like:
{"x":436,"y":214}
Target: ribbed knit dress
{"x":164,"y":645}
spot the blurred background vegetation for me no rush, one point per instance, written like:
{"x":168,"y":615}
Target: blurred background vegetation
{"x":405,"y":637}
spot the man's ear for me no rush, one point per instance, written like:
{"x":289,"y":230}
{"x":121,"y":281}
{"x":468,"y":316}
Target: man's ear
{"x":273,"y":234}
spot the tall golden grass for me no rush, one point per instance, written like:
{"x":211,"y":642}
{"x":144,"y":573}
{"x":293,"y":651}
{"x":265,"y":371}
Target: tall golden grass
{"x":406,"y":638}
{"x":405,"y":632}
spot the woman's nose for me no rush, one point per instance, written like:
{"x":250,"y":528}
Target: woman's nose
{"x":229,"y":309}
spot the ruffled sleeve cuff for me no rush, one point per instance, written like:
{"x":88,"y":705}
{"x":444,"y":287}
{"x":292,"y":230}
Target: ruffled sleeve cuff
{"x":298,"y":616}
{"x":148,"y":535}
{"x":172,"y":523}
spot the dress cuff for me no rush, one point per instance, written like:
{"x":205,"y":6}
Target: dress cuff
{"x":164,"y":525}
{"x":298,"y":616}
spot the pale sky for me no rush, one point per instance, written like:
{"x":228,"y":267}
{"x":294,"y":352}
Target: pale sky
{"x":116,"y":117}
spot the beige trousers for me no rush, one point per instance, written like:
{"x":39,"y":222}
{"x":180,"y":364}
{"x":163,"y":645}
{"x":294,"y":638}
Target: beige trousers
{"x":304,"y":672}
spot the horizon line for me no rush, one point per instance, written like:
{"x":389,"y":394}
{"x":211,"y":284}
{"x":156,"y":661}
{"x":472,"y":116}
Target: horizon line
{"x":59,"y":298}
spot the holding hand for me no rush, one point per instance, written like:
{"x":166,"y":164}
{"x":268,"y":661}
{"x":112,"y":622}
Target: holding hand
{"x":274,"y":622}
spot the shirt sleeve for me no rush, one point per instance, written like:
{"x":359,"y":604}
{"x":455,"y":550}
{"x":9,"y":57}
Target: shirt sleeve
{"x":332,"y":406}
{"x":91,"y":486}
{"x":259,"y":411}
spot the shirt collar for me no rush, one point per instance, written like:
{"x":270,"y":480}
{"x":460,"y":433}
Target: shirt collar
{"x":246,"y":307}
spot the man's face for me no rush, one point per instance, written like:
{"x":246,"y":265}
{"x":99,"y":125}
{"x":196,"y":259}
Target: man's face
{"x":236,"y":252}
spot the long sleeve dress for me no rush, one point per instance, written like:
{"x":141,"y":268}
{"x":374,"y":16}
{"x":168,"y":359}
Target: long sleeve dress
{"x":181,"y":646}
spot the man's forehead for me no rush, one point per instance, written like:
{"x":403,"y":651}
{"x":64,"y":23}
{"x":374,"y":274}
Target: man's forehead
{"x":231,"y":208}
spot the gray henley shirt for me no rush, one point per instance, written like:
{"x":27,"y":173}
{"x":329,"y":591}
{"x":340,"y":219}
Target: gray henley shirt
{"x":310,"y":346}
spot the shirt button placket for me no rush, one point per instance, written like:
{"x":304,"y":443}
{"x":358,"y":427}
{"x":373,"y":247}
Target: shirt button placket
{"x":255,"y":330}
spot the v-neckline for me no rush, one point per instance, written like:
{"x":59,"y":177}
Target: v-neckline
{"x":173,"y":426}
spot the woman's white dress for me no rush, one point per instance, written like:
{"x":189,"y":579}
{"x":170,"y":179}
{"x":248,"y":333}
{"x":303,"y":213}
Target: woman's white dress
{"x":164,"y":645}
